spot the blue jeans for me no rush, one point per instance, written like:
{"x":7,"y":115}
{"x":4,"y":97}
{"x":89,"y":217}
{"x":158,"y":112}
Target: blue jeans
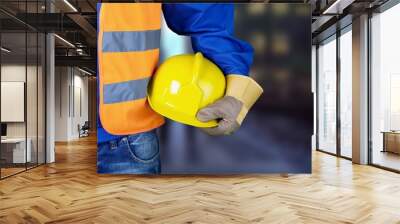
{"x":131,"y":154}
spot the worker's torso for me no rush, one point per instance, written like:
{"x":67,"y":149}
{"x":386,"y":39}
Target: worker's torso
{"x":128,"y":52}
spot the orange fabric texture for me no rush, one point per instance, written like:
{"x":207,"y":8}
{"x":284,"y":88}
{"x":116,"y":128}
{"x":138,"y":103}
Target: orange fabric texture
{"x":135,"y":116}
{"x":129,"y":117}
{"x":131,"y":17}
{"x":141,"y":65}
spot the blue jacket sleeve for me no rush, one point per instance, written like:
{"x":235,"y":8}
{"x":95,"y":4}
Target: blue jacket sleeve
{"x":210,"y":27}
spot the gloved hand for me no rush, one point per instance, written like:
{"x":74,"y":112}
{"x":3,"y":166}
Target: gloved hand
{"x":241,"y":93}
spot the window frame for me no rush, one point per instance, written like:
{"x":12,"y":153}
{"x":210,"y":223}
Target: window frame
{"x":334,"y":37}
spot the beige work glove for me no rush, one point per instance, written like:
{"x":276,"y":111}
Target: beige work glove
{"x":241,"y":93}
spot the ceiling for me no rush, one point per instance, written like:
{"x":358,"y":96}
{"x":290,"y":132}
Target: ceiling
{"x":75,"y":21}
{"x":332,"y":15}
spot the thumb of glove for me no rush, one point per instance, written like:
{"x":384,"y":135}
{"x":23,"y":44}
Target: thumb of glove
{"x":225,"y":110}
{"x":209,"y":113}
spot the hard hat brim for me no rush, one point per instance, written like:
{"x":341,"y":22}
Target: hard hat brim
{"x":169,"y":112}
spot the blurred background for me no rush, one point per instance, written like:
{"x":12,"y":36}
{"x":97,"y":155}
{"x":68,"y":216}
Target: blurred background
{"x":276,"y":134}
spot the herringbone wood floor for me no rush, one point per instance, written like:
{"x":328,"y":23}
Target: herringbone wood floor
{"x":70,"y":191}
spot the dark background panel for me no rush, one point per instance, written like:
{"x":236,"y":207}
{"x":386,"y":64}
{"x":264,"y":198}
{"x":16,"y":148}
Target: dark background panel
{"x":276,"y":135}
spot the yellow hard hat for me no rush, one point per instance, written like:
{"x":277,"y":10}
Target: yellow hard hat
{"x":182,"y":85}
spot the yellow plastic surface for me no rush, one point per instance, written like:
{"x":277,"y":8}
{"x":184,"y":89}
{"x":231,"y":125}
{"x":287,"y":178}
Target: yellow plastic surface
{"x":182,"y":85}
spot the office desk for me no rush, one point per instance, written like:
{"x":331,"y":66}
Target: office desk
{"x":13,"y":150}
{"x":391,"y":141}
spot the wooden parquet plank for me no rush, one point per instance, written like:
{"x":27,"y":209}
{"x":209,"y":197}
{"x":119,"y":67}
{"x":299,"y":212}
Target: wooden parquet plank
{"x":70,"y":191}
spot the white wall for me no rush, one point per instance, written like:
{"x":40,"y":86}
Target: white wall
{"x":13,"y":72}
{"x":61,"y":103}
{"x":79,"y":118}
{"x":70,"y":83}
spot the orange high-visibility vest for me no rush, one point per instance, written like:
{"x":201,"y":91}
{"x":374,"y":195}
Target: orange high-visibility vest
{"x":128,"y":52}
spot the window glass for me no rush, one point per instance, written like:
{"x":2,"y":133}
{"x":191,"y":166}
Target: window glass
{"x":22,"y":89}
{"x":346,"y":94}
{"x":385,"y":88}
{"x":14,"y":149}
{"x":327,"y":96}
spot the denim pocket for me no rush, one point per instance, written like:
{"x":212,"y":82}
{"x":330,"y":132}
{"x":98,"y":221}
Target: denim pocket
{"x":114,"y":158}
{"x":144,"y":147}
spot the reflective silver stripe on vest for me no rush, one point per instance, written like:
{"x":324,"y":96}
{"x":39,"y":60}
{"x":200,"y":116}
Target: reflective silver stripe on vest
{"x":131,"y":41}
{"x":125,"y":91}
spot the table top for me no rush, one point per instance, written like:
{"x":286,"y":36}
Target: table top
{"x":391,"y":132}
{"x":13,"y":140}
